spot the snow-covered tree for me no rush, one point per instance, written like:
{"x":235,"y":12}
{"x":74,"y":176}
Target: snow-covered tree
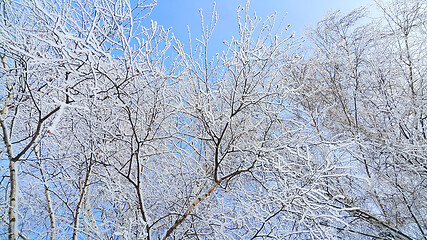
{"x":113,"y":129}
{"x":369,"y":95}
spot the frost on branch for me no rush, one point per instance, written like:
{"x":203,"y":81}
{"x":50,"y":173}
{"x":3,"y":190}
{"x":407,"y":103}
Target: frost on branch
{"x":114,"y":129}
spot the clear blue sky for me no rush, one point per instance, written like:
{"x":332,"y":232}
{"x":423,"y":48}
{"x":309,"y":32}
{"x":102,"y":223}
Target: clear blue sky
{"x":179,"y":14}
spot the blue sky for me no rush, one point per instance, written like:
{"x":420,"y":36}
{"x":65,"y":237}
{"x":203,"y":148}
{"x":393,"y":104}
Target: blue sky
{"x":179,"y":14}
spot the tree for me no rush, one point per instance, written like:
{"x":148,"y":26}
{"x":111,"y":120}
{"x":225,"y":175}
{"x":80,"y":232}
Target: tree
{"x":53,"y":62}
{"x":119,"y":131}
{"x":371,"y":94}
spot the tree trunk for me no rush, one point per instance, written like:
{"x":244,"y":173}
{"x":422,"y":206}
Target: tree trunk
{"x":12,"y":200}
{"x":13,"y":228}
{"x":49,"y":203}
{"x":80,"y":204}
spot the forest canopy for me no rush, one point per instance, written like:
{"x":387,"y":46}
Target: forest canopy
{"x":111,"y":128}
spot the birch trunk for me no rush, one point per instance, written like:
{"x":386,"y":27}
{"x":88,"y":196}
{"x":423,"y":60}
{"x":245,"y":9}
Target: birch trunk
{"x":80,"y":204}
{"x":49,"y":204}
{"x":12,"y":230}
{"x":88,"y":209}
